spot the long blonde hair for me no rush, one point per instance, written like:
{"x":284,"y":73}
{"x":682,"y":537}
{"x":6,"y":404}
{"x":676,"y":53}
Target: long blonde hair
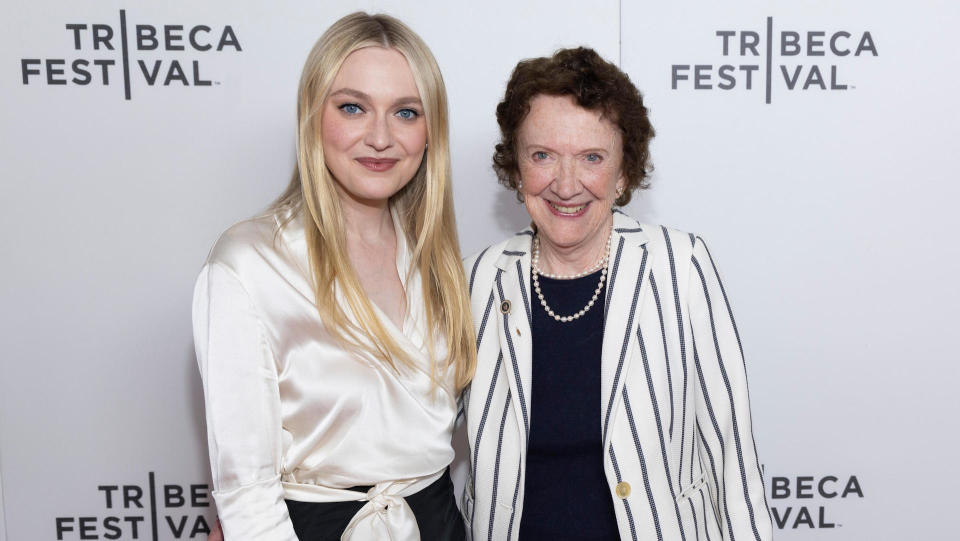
{"x":425,"y":205}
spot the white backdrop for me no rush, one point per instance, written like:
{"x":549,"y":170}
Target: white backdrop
{"x":831,"y":213}
{"x":833,"y":216}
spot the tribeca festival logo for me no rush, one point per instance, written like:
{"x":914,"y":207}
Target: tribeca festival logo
{"x":808,"y":60}
{"x":143,"y":512}
{"x":102,"y":55}
{"x":805,"y":501}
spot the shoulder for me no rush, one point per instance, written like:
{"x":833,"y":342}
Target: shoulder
{"x":518,"y":244}
{"x":667,"y":244}
{"x":481,"y":266}
{"x":486,"y":256}
{"x":247,"y":245}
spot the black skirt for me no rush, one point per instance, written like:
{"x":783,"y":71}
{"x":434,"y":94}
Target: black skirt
{"x":434,"y":507}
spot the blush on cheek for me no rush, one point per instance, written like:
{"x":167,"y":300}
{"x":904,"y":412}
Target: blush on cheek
{"x":334,"y":135}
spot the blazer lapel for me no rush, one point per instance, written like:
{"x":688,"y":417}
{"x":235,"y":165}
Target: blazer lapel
{"x":512,"y":306}
{"x":628,"y":283}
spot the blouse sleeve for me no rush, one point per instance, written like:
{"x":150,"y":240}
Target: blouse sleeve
{"x":723,"y":418}
{"x":242,"y":398}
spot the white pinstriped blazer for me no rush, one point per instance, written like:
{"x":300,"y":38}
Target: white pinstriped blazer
{"x":675,"y":415}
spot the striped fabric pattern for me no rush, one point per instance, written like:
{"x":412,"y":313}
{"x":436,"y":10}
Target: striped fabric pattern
{"x":675,"y":414}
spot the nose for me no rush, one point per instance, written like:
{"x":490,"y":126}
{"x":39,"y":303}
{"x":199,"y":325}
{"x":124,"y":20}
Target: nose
{"x":379,"y":136}
{"x":566,"y":184}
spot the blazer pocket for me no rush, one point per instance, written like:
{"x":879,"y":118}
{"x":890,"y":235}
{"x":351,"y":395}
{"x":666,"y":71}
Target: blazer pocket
{"x":692,"y":503}
{"x":692,"y":488}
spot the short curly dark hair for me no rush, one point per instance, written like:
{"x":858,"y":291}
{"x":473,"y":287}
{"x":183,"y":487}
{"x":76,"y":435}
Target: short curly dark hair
{"x":594,"y":84}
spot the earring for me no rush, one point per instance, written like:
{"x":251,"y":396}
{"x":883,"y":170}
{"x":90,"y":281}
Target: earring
{"x":519,"y":185}
{"x":619,"y":191}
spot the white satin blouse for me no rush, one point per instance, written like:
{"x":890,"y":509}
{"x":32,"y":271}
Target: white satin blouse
{"x":290,"y":413}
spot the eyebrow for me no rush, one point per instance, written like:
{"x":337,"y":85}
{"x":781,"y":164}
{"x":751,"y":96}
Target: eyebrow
{"x":415,"y":100}
{"x":531,"y":146}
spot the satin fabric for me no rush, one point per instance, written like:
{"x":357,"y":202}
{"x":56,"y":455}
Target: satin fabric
{"x":438,"y":517}
{"x":291,"y":414}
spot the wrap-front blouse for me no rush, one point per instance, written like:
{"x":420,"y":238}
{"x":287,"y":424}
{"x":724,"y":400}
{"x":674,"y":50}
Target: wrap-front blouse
{"x":291,"y":414}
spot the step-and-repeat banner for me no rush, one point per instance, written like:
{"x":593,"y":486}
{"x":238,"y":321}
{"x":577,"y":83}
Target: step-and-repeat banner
{"x":811,"y":144}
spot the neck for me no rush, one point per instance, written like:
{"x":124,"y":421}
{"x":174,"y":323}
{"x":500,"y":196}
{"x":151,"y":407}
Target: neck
{"x":569,"y":260}
{"x":367,"y":221}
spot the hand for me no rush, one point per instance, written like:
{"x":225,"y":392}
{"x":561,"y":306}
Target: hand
{"x":217,"y":533}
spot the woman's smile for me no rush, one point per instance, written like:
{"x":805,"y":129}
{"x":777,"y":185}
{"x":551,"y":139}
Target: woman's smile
{"x":377,"y":164}
{"x":567,"y":211}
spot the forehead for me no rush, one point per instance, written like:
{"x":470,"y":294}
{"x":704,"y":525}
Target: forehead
{"x":376,"y":71}
{"x":558,"y":121}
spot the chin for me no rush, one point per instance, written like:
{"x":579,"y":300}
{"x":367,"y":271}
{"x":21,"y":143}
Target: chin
{"x":374,"y":189}
{"x":378,"y":194}
{"x":568,"y":232}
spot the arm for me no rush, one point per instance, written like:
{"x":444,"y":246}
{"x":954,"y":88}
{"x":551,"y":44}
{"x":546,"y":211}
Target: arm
{"x":242,"y":398}
{"x":217,"y":533}
{"x":723,"y":406}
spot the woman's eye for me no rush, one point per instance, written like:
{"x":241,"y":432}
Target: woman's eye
{"x":407,"y":114}
{"x":351,"y":108}
{"x":594,"y":157}
{"x":539,"y":155}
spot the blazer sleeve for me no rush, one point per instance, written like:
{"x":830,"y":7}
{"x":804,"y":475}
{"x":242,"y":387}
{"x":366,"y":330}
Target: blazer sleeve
{"x":242,"y":398}
{"x":723,"y":421}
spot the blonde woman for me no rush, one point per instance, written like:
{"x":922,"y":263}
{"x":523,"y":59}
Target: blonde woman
{"x":333,"y":333}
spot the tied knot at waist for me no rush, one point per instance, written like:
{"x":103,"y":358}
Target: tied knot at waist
{"x":385,"y":515}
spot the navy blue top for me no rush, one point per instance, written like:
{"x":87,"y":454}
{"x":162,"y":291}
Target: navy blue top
{"x":566,"y":494}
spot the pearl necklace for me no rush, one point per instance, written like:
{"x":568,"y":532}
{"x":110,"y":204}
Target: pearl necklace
{"x":596,"y":266}
{"x":604,"y":261}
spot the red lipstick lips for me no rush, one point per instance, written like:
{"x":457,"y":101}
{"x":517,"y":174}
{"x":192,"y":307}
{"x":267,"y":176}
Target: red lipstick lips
{"x":377,"y":164}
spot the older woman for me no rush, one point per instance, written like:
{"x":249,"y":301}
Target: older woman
{"x":610,"y":397}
